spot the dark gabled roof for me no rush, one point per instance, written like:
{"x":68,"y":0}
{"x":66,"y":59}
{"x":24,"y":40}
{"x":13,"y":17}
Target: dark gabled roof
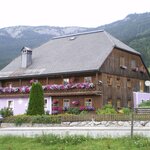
{"x":72,"y":53}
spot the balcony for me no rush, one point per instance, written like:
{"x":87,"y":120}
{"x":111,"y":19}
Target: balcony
{"x":54,"y":90}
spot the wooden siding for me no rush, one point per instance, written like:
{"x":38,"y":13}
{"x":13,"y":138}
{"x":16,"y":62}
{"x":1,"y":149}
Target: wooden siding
{"x":112,"y":65}
{"x":124,"y":92}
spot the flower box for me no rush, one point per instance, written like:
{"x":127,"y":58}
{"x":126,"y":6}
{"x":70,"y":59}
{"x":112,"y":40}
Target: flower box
{"x":55,"y":101}
{"x":75,"y":102}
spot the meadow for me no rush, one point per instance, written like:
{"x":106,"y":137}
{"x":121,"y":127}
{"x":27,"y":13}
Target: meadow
{"x":53,"y":142}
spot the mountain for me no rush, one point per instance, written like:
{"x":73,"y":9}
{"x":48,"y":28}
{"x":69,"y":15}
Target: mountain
{"x":12,"y":39}
{"x":133,"y":30}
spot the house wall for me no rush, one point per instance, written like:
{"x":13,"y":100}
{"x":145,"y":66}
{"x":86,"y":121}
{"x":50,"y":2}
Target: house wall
{"x":112,"y":65}
{"x":112,"y":69}
{"x":20,"y":105}
{"x":96,"y":100}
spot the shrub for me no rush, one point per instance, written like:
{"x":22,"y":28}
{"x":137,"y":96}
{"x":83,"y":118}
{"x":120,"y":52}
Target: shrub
{"x":6,"y":112}
{"x":124,"y":110}
{"x":84,"y":112}
{"x":107,"y":109}
{"x":145,"y":104}
{"x":75,"y":111}
{"x":36,"y":101}
{"x":41,"y":119}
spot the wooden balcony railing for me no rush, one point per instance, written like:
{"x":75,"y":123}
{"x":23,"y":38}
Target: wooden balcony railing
{"x":54,"y":90}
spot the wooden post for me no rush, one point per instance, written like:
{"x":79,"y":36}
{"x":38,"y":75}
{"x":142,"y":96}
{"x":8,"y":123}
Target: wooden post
{"x":97,"y":81}
{"x":132,"y":119}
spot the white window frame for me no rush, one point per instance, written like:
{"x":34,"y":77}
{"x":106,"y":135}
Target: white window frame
{"x":87,"y":103}
{"x":45,"y":104}
{"x":66,"y":103}
{"x":88,"y":79}
{"x":66,"y":81}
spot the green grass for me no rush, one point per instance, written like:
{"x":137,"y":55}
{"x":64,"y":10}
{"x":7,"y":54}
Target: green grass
{"x":52,"y":142}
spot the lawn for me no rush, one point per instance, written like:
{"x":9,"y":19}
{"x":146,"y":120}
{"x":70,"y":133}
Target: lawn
{"x":51,"y":142}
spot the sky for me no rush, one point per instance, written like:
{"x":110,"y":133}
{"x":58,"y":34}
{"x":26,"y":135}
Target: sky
{"x":84,"y":13}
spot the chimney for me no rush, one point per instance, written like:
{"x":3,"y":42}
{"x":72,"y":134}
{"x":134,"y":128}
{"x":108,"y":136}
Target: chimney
{"x":26,"y":57}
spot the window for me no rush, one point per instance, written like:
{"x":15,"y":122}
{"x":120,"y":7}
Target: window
{"x":10,"y":104}
{"x":66,"y":103}
{"x":87,"y":79}
{"x":88,"y":102}
{"x":129,"y":103}
{"x":128,"y":83}
{"x":118,"y":103}
{"x":109,"y":80}
{"x":141,"y":86}
{"x":118,"y":82}
{"x":122,"y":61}
{"x":133,"y":64}
{"x":45,"y":103}
{"x":66,"y":81}
{"x":109,"y":101}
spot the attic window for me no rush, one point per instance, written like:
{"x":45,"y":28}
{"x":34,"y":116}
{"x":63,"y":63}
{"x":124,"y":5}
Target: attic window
{"x":72,"y":38}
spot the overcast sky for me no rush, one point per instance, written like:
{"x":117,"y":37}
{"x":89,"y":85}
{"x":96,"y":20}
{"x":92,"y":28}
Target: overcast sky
{"x":85,"y":13}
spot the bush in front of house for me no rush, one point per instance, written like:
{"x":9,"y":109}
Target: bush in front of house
{"x":145,"y":104}
{"x":125,"y":111}
{"x":39,"y":119}
{"x":107,"y":109}
{"x":6,"y":112}
{"x":36,"y":101}
{"x":74,"y":110}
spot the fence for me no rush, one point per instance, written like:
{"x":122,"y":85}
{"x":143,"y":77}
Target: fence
{"x":112,"y":117}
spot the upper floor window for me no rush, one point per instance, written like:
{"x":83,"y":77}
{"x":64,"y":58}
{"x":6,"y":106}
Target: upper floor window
{"x":109,"y":80}
{"x":87,"y":79}
{"x":122,"y":63}
{"x":88,"y":102}
{"x":66,"y":81}
{"x":133,"y":64}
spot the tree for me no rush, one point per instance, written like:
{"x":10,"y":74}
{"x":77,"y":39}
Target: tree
{"x":36,"y":101}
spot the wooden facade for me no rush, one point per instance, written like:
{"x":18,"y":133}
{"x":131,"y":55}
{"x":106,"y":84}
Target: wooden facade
{"x":121,"y":74}
{"x":91,"y":69}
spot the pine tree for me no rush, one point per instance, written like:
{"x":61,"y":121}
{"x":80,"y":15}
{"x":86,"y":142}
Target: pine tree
{"x":36,"y":101}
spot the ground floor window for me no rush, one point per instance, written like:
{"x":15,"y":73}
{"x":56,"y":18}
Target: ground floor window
{"x":88,"y":102}
{"x":10,"y":104}
{"x":45,"y":104}
{"x":118,"y":103}
{"x":109,"y":101}
{"x":129,"y":103}
{"x":66,"y":103}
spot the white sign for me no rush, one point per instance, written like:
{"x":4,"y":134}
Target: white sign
{"x":147,"y":83}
